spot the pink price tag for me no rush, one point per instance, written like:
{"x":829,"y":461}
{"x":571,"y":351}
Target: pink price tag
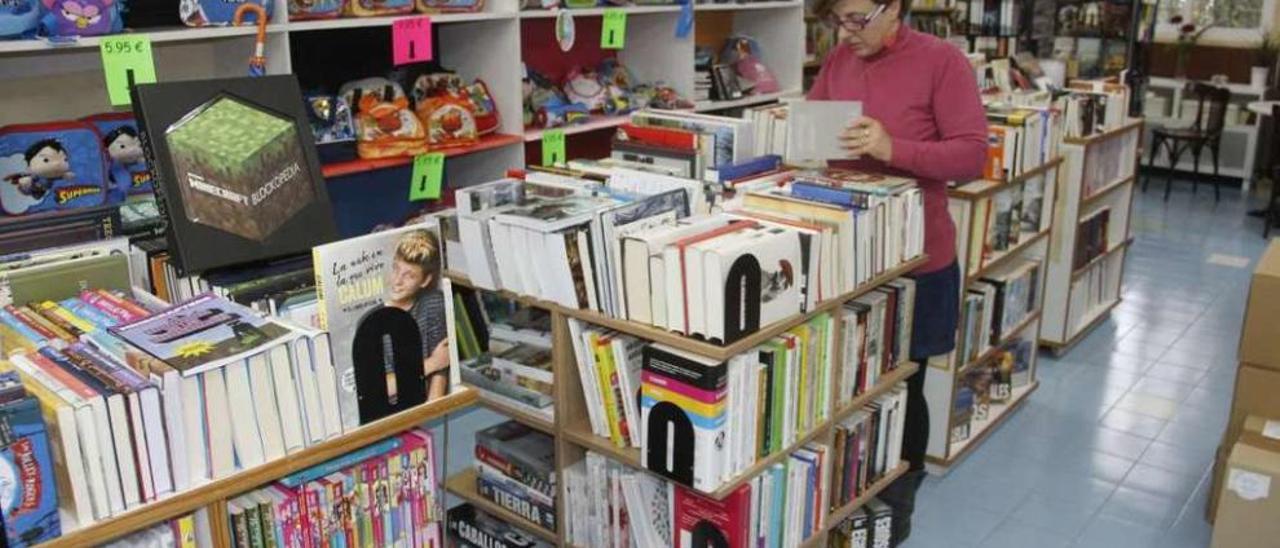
{"x":411,"y":40}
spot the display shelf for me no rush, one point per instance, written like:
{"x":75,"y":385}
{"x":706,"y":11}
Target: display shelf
{"x":524,"y":300}
{"x":596,"y":122}
{"x":1099,"y":137}
{"x":1001,"y":184}
{"x":386,"y":21}
{"x":631,"y":455}
{"x":979,"y":430}
{"x":1102,"y":192}
{"x":993,"y":264}
{"x":1077,"y":273}
{"x":215,"y":492}
{"x":351,"y":167}
{"x":743,"y":6}
{"x":158,"y":36}
{"x":596,"y":12}
{"x":996,"y":348}
{"x":532,"y":420}
{"x":463,"y":484}
{"x":838,"y":515}
{"x":751,"y":100}
{"x":724,"y":353}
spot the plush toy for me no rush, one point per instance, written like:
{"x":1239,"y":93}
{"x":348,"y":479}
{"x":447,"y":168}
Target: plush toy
{"x":19,"y":18}
{"x":81,"y":17}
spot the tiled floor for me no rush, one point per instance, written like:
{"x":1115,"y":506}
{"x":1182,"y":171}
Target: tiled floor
{"x":1114,"y":449}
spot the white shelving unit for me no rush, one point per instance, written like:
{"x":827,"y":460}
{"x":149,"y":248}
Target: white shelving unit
{"x":57,"y":82}
{"x":946,"y":373}
{"x":1100,"y":174}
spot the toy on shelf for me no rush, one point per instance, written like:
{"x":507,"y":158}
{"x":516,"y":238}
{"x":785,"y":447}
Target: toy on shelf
{"x":80,"y":17}
{"x":19,"y":19}
{"x":217,"y":13}
{"x":385,"y":126}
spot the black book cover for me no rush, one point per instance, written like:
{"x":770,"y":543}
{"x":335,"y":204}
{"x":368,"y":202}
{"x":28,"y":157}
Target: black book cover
{"x":237,"y":176}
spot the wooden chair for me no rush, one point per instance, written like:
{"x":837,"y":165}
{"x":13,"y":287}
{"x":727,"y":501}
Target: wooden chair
{"x":1204,"y":133}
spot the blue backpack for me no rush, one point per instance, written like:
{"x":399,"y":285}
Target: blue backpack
{"x":56,"y":166}
{"x":217,"y":13}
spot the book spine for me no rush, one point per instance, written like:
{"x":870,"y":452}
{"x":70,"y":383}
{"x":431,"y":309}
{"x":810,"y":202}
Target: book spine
{"x":517,"y":503}
{"x":534,"y":477}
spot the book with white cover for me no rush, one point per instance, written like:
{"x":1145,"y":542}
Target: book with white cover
{"x":245,"y":433}
{"x":814,"y":129}
{"x":263,"y":392}
{"x":193,"y":425}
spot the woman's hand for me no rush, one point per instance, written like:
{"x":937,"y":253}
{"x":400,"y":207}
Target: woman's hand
{"x":866,"y":136}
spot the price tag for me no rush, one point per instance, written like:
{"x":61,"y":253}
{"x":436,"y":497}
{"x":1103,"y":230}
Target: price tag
{"x":553,"y":147}
{"x":613,"y":31}
{"x":126,"y":60}
{"x":428,"y":177}
{"x":411,"y":40}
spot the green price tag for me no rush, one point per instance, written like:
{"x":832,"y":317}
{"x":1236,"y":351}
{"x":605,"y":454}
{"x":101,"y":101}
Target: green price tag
{"x":126,"y":60}
{"x":613,"y":31}
{"x":553,"y":147}
{"x":428,"y":177}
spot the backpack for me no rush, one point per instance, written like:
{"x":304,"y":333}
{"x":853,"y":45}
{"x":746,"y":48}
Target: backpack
{"x":55,"y":166}
{"x":216,"y":13}
{"x":80,"y":17}
{"x":127,"y":170}
{"x":385,"y":126}
{"x":19,"y":18}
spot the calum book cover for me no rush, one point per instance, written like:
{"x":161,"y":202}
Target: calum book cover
{"x":238,"y":176}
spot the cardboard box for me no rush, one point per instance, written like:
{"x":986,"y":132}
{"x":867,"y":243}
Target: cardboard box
{"x":1255,"y":392}
{"x":1260,"y":337}
{"x":1249,"y":498}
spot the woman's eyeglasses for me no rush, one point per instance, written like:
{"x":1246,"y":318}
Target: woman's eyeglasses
{"x":855,"y":22}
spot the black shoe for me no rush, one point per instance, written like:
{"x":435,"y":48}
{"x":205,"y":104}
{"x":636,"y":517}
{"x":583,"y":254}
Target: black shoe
{"x":901,"y":496}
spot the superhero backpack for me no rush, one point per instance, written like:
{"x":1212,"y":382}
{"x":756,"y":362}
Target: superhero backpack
{"x":127,"y":167}
{"x":56,"y":166}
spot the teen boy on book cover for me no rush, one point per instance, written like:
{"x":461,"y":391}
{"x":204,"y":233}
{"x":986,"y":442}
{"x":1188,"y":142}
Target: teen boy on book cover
{"x":413,"y":286}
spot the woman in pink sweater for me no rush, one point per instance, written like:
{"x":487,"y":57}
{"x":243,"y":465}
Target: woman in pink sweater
{"x":923,"y":118}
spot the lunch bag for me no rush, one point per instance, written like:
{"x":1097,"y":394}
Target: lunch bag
{"x":302,"y":10}
{"x":216,"y":13}
{"x":80,"y":17}
{"x":373,"y":8}
{"x":330,"y":118}
{"x":443,"y":104}
{"x":449,"y":6}
{"x":55,"y":166}
{"x":127,"y":167}
{"x":385,"y":127}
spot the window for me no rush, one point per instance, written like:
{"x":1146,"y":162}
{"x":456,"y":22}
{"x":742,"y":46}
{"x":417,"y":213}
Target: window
{"x":1235,"y":22}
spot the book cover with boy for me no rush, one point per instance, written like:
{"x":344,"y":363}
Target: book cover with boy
{"x":376,"y":282}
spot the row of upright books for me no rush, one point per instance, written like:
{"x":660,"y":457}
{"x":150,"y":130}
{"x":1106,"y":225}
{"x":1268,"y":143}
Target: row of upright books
{"x":998,"y":222}
{"x":1019,"y":139}
{"x":640,"y":251}
{"x":995,"y":305}
{"x":384,"y":494}
{"x":516,"y":470}
{"x":189,"y":531}
{"x":732,"y":414}
{"x":1094,"y":107}
{"x":988,"y":17}
{"x":612,"y":505}
{"x":991,"y":382}
{"x":1092,"y":237}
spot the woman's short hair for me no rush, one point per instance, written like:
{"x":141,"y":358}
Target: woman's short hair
{"x":823,"y":7}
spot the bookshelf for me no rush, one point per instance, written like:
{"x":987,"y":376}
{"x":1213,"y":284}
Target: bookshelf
{"x":946,"y":374}
{"x":572,"y":431}
{"x":1100,"y":174}
{"x":213,"y":495}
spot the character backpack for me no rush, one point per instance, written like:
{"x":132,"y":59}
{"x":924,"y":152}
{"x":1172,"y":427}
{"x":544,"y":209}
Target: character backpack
{"x":81,"y":17}
{"x":373,"y":8}
{"x":302,"y":10}
{"x":449,"y":6}
{"x":217,"y":13}
{"x":57,"y":166}
{"x":444,"y":105}
{"x":330,"y":118}
{"x":19,"y":18}
{"x":385,"y":127}
{"x":127,"y":168}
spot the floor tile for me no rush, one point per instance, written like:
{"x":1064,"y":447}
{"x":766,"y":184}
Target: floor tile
{"x":1142,"y":508}
{"x":1158,"y":481}
{"x":1133,"y":423}
{"x":1146,"y":404}
{"x":1176,"y":373}
{"x":1018,"y":534}
{"x":1233,"y":261}
{"x":1175,"y":391}
{"x":1118,"y":443}
{"x":1110,"y":532}
{"x":1175,"y":458}
{"x":1054,"y":515}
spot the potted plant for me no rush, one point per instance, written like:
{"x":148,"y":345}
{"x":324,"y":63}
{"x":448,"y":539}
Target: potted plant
{"x":1264,"y":57}
{"x":1188,"y":35}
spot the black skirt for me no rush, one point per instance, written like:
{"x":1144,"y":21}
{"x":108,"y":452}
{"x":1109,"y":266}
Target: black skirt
{"x":937,"y":311}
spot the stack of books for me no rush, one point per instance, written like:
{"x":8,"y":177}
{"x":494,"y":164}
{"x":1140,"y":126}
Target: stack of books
{"x":384,"y":494}
{"x":471,"y":527}
{"x":1019,"y":140}
{"x":189,"y":531}
{"x":609,"y":365}
{"x":739,"y":411}
{"x":869,"y":526}
{"x":877,"y":336}
{"x":611,"y":505}
{"x":32,"y":482}
{"x":867,"y":446}
{"x":504,"y":350}
{"x":516,"y":469}
{"x":1010,"y":297}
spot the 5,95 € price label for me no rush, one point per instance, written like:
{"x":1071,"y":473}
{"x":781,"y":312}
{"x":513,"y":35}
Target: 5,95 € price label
{"x":428,"y":176}
{"x":126,"y":60}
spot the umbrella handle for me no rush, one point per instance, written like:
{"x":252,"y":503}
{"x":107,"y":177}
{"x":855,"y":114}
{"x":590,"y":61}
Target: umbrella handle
{"x":262,"y":23}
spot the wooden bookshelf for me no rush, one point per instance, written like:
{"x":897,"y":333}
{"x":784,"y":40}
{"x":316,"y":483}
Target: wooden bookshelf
{"x":1102,"y":193}
{"x":1076,"y":273}
{"x":1001,"y":184}
{"x":838,"y":515}
{"x":999,"y":261}
{"x":979,"y":430}
{"x":463,"y":484}
{"x":213,"y":495}
{"x":531,"y":420}
{"x":1099,"y":137}
{"x":996,"y":348}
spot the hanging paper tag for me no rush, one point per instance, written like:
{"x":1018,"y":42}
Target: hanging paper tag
{"x":411,"y":40}
{"x":126,"y":60}
{"x":553,"y":147}
{"x":684,"y":24}
{"x":613,"y":30}
{"x":428,"y":176}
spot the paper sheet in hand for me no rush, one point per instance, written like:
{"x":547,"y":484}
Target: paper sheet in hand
{"x":814,"y":128}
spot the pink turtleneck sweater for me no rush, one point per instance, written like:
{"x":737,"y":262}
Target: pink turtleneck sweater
{"x":923,"y":91}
